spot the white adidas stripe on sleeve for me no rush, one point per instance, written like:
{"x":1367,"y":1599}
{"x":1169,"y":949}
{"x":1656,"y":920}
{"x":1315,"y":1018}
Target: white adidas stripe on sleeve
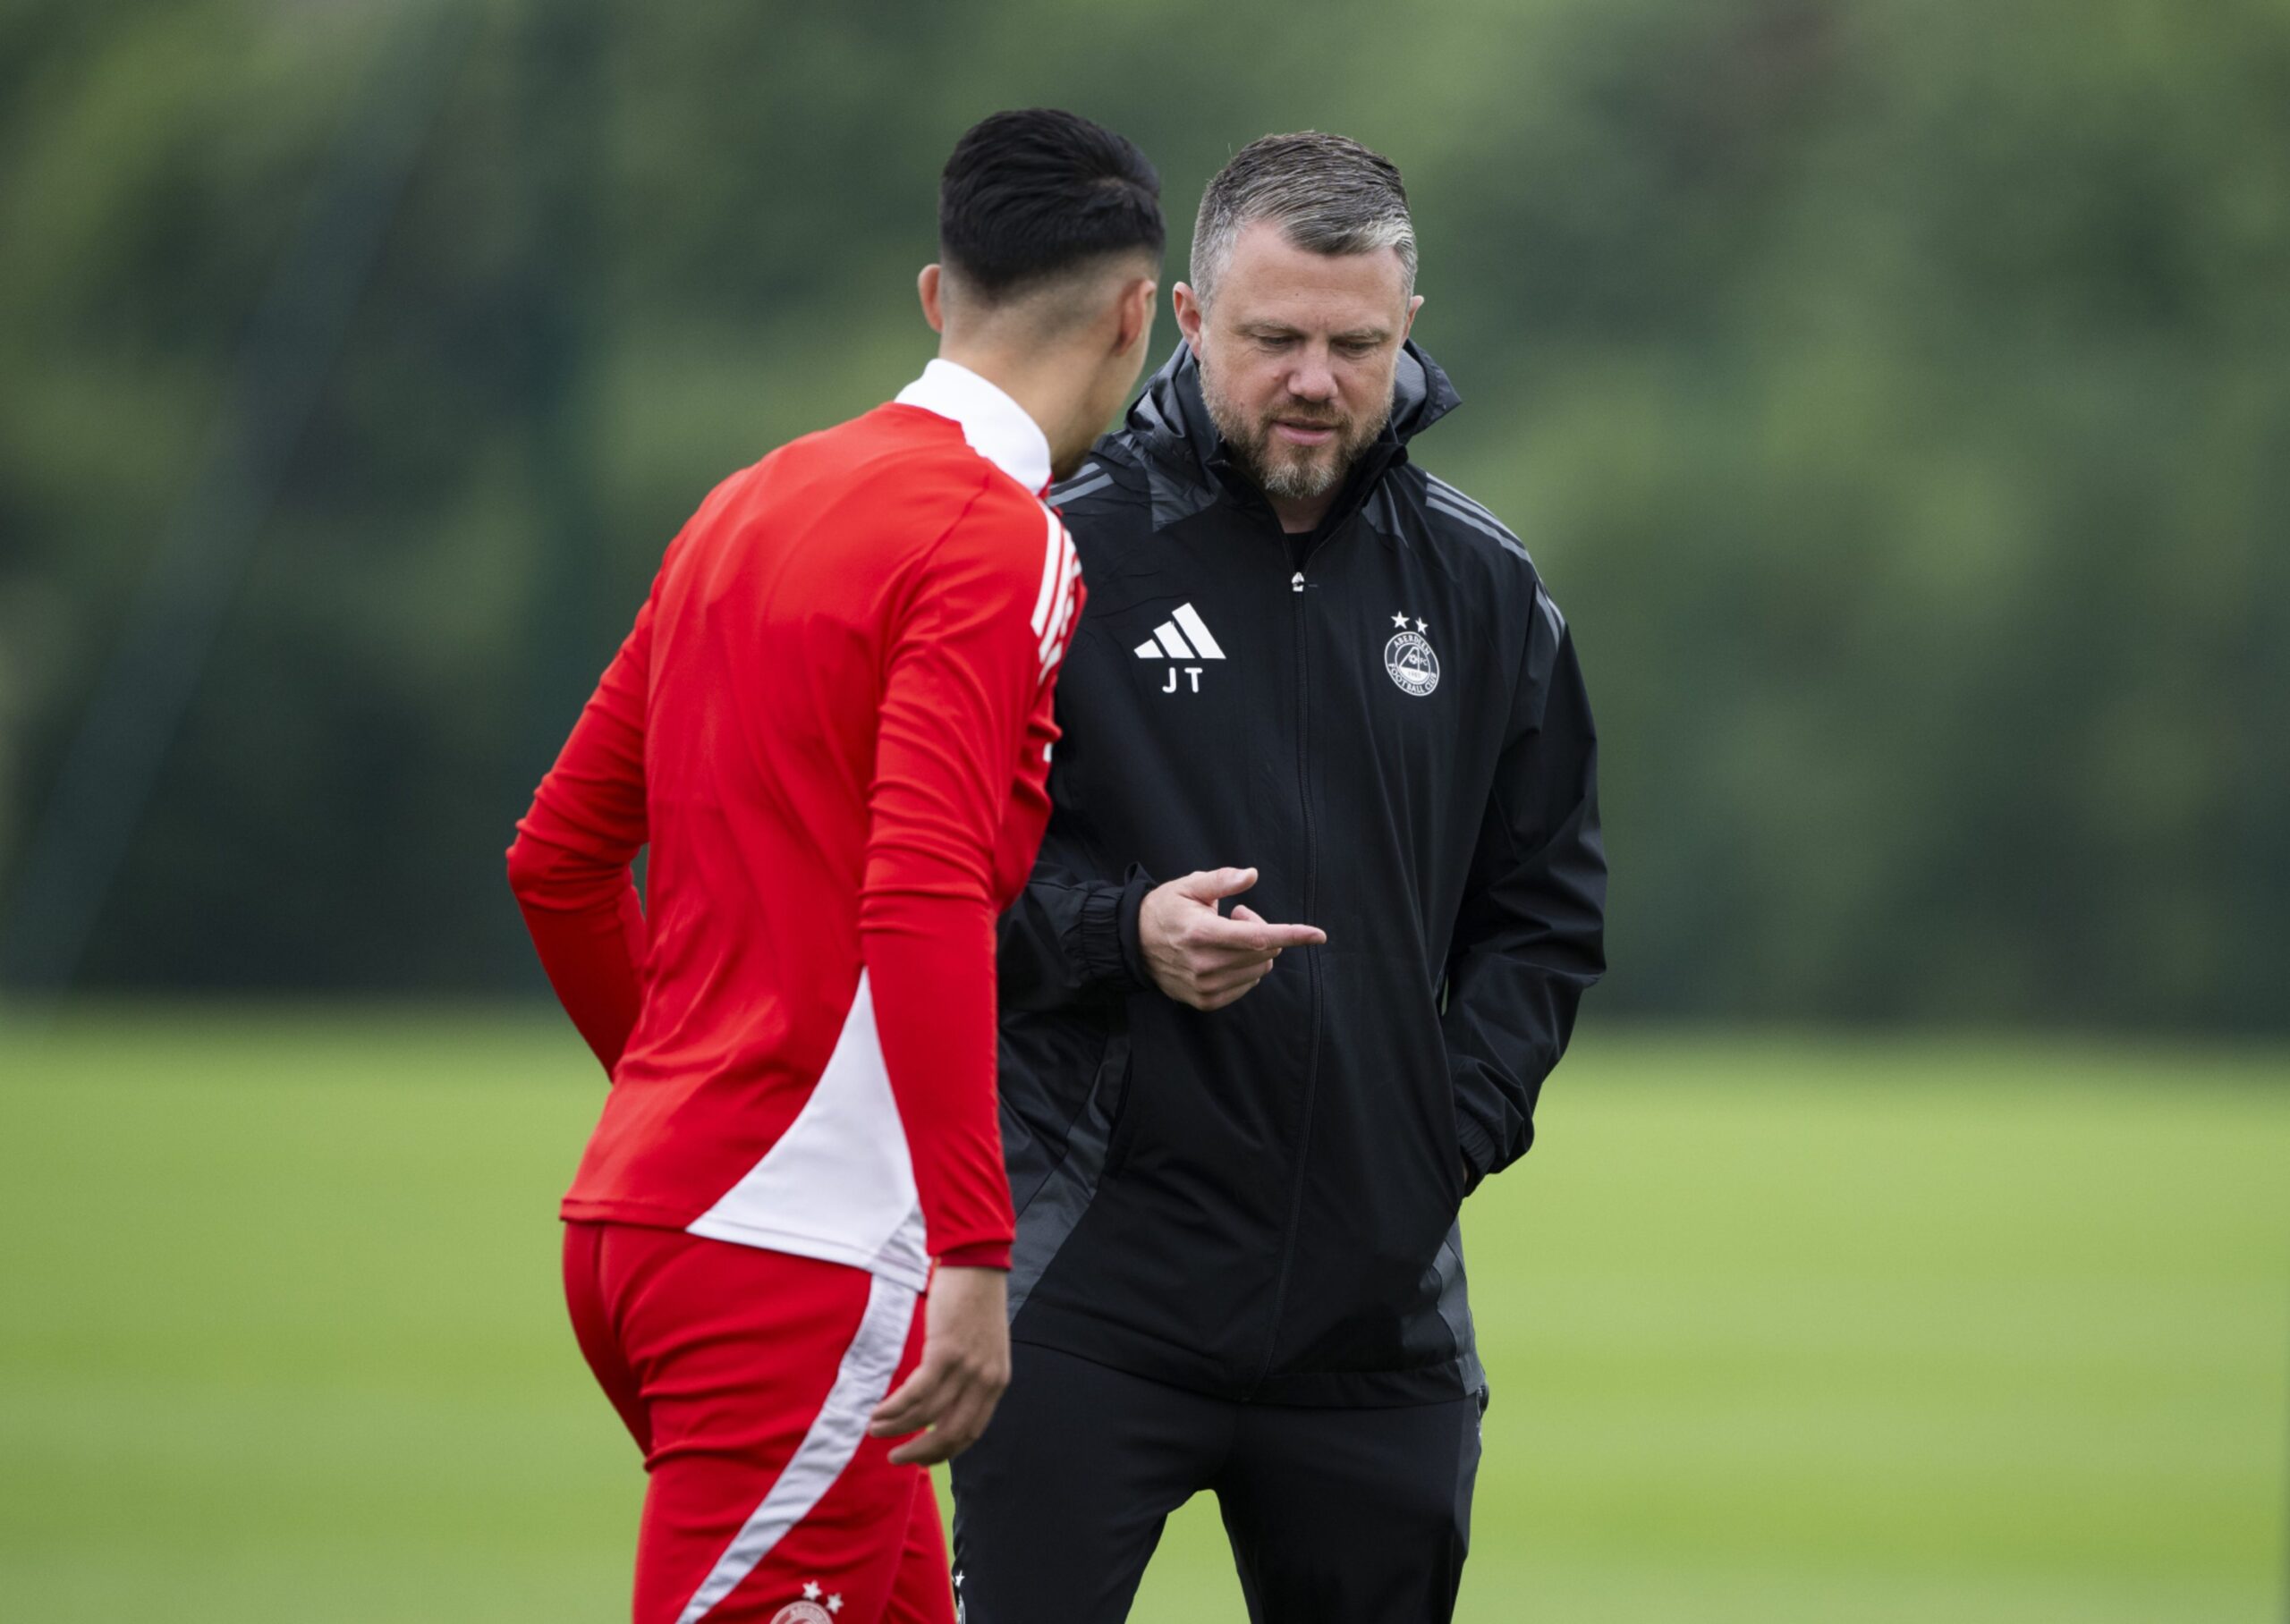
{"x":1053,"y":559}
{"x":1068,"y":579}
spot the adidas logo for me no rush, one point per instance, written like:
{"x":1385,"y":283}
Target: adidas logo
{"x":1183,"y":636}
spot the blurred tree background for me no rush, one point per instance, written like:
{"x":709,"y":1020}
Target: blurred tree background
{"x":1896,"y":397}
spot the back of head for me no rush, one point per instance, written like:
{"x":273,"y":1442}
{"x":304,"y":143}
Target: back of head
{"x":1034,"y":199}
{"x":1326,"y":193}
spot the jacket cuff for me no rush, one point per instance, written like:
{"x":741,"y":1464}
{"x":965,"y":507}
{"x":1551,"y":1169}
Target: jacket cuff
{"x":1106,"y":937}
{"x":1135,"y":886}
{"x":979,"y":1255}
{"x":1478,"y":1150}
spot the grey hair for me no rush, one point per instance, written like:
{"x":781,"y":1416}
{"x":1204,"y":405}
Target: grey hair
{"x":1328,"y":194}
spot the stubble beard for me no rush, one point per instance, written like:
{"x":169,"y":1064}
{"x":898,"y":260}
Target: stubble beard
{"x":1290,"y":473}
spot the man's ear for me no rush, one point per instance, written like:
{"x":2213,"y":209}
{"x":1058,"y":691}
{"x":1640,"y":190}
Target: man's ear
{"x":1135,"y":307}
{"x":1408,"y":326}
{"x":927,"y":285}
{"x":1187,"y":304}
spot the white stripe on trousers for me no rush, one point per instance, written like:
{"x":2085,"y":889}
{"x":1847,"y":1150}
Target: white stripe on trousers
{"x":861,"y":1381}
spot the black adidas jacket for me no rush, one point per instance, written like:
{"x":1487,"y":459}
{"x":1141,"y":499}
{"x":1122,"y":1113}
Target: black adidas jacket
{"x":1260,"y":1201}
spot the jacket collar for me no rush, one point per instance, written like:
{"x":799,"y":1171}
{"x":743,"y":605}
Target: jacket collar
{"x":1171,"y":420}
{"x":997,"y":427}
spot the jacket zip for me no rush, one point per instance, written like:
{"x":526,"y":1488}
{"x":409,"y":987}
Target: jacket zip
{"x":1313,"y":980}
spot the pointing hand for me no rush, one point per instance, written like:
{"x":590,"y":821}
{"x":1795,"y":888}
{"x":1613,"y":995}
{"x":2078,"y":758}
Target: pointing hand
{"x":1201,"y":958}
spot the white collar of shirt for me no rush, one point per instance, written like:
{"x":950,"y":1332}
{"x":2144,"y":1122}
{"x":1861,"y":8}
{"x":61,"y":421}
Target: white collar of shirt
{"x":997,"y":427}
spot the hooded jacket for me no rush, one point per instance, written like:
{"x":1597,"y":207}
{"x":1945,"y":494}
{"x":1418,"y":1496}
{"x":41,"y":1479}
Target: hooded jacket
{"x":1388,"y":722}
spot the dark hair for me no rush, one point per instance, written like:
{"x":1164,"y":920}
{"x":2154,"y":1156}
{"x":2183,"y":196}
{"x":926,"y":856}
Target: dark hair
{"x":1030,"y":195}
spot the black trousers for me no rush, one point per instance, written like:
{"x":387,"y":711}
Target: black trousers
{"x":1336,"y":1516}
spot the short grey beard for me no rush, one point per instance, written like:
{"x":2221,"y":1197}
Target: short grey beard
{"x":1297,"y":481}
{"x":1303,"y":481}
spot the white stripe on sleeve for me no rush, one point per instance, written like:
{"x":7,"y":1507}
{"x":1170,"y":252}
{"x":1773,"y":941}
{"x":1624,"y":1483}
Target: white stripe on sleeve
{"x":1050,"y":571}
{"x":1066,"y":576}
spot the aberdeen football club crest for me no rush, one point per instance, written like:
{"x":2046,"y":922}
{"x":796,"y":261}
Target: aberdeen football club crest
{"x":1408,"y":657}
{"x":809,"y":1611}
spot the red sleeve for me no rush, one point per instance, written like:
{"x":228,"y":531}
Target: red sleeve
{"x":966,"y":671}
{"x":570,"y":864}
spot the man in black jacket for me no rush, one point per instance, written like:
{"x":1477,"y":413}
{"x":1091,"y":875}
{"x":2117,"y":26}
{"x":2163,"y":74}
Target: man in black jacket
{"x":1238,"y":1147}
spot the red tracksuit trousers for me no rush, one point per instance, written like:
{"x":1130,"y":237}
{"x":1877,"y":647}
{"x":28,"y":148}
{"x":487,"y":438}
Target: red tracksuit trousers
{"x":747,"y":1377}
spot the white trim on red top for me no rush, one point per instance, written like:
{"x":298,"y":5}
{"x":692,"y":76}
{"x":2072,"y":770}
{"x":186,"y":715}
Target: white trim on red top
{"x":839,"y":1184}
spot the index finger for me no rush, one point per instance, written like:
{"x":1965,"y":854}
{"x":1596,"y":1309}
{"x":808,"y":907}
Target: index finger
{"x":1258,"y":935}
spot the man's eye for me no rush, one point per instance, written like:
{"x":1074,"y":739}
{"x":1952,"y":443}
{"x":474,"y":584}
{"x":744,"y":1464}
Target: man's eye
{"x":1357,"y":347}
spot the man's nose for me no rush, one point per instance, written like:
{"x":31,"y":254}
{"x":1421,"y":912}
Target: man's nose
{"x":1313,"y":380}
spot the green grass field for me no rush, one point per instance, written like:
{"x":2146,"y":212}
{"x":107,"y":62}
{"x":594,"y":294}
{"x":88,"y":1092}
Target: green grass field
{"x":1862,"y":1330}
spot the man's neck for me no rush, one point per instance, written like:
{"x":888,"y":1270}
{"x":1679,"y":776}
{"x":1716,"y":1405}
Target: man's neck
{"x":1036,"y":382}
{"x":1302,"y":518}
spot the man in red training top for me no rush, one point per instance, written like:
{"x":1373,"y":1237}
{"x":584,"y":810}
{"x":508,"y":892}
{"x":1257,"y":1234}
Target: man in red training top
{"x":832,"y":725}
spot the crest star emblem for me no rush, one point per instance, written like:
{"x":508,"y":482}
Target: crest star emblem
{"x":1399,"y":619}
{"x":1409,"y":660}
{"x":812,"y":1591}
{"x":835,"y":1603}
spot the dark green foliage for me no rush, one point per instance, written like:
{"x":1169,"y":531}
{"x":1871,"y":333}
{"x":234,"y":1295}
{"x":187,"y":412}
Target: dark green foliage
{"x":1897,"y":398}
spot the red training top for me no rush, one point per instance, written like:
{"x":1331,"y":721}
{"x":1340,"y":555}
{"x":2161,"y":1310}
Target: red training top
{"x":832,"y":723}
